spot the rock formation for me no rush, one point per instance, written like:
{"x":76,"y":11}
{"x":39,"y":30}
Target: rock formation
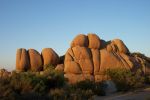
{"x":89,"y":57}
{"x":33,"y":60}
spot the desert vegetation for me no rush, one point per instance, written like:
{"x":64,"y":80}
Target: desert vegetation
{"x":45,"y":85}
{"x":51,"y":84}
{"x":126,"y":80}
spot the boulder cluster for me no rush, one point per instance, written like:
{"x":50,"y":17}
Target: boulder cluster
{"x":33,"y":60}
{"x":87,"y":58}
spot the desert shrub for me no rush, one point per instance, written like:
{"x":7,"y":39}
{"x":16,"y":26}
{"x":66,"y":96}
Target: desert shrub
{"x":126,"y":80}
{"x":147,"y":79}
{"x":80,"y":94}
{"x":31,"y":83}
{"x":58,"y":94}
{"x":56,"y":78}
{"x":99,"y":88}
{"x":86,"y":85}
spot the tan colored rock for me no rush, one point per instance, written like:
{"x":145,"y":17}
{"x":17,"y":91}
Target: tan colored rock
{"x":69,"y":55}
{"x":35,"y":60}
{"x":86,"y":66}
{"x":121,"y":46}
{"x":60,"y":67}
{"x":81,"y":53}
{"x":22,"y":60}
{"x":96,"y":59}
{"x":109,"y":48}
{"x":102,"y":77}
{"x":91,"y":61}
{"x":109,"y":61}
{"x":132,"y":62}
{"x":80,"y":40}
{"x":127,"y":64}
{"x":72,"y":67}
{"x":78,"y":59}
{"x":49,"y":56}
{"x":94,"y":41}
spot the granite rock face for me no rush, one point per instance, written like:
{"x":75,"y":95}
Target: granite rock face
{"x":33,"y":60}
{"x":89,"y":57}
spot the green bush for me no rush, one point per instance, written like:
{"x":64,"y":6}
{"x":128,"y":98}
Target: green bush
{"x":147,"y":79}
{"x":86,"y":85}
{"x":58,"y":94}
{"x":126,"y":80}
{"x":31,"y":83}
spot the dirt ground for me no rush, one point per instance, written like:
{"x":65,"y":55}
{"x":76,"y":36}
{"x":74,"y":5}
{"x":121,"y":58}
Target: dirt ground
{"x":142,"y":94}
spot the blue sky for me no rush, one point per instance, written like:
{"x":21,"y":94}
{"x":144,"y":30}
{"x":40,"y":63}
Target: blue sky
{"x":54,"y":23}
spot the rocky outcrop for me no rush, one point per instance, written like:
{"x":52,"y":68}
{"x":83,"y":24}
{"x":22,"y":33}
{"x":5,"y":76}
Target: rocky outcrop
{"x":89,"y":58}
{"x":33,"y":60}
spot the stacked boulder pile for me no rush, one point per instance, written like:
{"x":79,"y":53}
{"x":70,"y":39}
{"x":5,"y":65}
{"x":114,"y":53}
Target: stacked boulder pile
{"x":88,"y":57}
{"x":34,"y":61}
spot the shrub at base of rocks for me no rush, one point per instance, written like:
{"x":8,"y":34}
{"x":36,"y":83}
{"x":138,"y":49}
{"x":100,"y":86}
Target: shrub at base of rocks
{"x":125,"y":80}
{"x":50,"y":85}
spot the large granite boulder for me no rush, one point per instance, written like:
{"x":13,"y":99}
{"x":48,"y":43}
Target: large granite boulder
{"x":94,"y":41}
{"x":22,"y":60}
{"x":80,"y":40}
{"x":35,"y":60}
{"x":49,"y":56}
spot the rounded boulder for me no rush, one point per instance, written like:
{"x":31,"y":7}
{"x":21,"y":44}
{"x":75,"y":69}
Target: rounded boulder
{"x":22,"y":60}
{"x":80,"y":40}
{"x":35,"y":60}
{"x":50,"y":57}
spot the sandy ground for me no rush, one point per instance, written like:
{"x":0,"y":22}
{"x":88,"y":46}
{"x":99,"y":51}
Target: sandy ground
{"x":142,"y":94}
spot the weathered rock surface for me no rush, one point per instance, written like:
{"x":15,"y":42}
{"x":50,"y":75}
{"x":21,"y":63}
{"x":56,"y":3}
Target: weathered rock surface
{"x":35,"y":60}
{"x":90,"y":56}
{"x":22,"y":60}
{"x":94,"y":41}
{"x":117,"y":45}
{"x":80,"y":40}
{"x":49,"y":56}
